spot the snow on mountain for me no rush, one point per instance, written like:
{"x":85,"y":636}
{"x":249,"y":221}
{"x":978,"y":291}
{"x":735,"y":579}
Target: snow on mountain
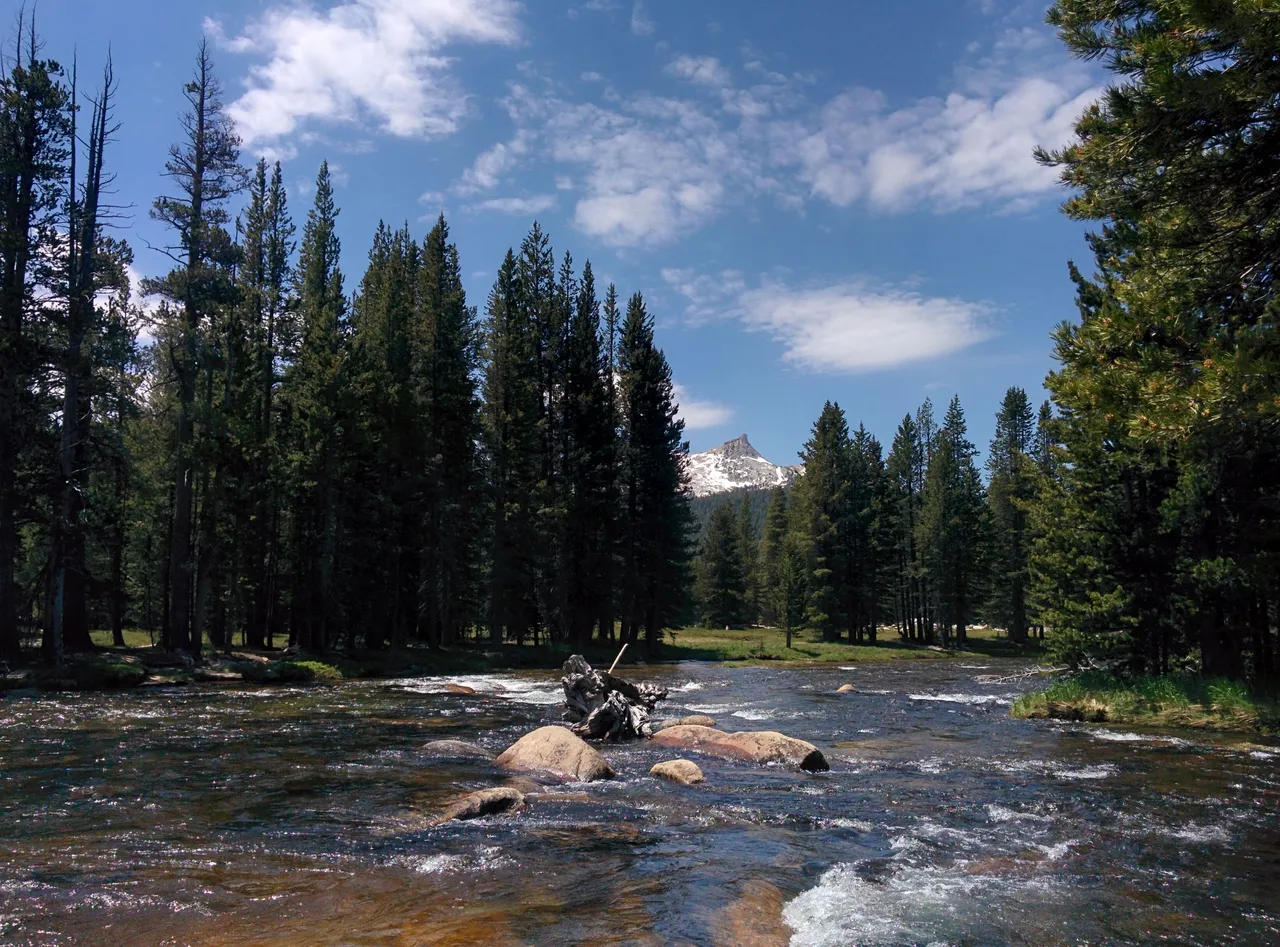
{"x":736,"y":465}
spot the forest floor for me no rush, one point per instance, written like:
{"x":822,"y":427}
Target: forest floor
{"x":1184,"y":701}
{"x":140,"y":662}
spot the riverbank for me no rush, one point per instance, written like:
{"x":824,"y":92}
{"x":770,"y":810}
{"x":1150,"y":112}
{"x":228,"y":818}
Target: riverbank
{"x":139,"y":663}
{"x":1172,"y":701}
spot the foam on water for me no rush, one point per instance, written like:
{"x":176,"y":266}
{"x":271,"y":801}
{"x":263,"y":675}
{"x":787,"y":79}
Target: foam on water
{"x":974,"y":699}
{"x":914,"y":905}
{"x":1101,"y":771}
{"x":998,"y":813}
{"x":1115,"y":736}
{"x":490,"y":685}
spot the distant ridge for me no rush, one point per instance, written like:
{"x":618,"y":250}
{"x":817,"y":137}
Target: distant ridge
{"x":736,"y":465}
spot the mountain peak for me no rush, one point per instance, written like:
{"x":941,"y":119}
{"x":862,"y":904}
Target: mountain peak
{"x":736,"y":465}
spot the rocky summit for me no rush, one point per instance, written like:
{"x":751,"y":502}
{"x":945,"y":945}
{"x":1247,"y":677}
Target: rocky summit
{"x":736,"y":465}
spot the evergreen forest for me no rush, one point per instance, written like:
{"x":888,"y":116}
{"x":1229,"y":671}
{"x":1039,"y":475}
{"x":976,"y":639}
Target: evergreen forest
{"x":273,"y":452}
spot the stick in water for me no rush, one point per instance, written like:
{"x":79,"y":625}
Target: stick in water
{"x":617,"y":659}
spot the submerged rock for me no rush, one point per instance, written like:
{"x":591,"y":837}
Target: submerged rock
{"x":557,"y":751}
{"x":845,"y":689}
{"x":697,"y":720}
{"x":684,"y":772}
{"x":452,"y":688}
{"x":456,"y":750}
{"x":482,"y":803}
{"x":754,"y":746}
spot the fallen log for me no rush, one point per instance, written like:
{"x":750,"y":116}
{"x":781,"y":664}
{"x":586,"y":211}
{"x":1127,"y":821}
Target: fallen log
{"x":602,"y":706}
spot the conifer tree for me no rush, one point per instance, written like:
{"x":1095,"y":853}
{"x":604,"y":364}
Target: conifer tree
{"x":748,"y":554}
{"x":655,"y":491}
{"x":788,"y":587}
{"x":511,"y":457}
{"x":313,"y":389}
{"x":819,"y":517}
{"x":905,"y":470}
{"x":775,"y":530}
{"x":445,"y":364}
{"x":1010,"y":492}
{"x":721,"y":585}
{"x":206,"y":170}
{"x":34,"y":149}
{"x":951,"y":524}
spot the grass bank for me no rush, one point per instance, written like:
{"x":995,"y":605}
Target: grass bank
{"x":1171,"y":701}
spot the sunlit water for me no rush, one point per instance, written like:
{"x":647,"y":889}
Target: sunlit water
{"x":300,"y":816}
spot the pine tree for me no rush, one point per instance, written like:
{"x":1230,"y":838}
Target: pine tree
{"x":512,"y":458}
{"x":951,"y":523}
{"x":34,"y":150}
{"x":268,"y":247}
{"x":748,"y":554}
{"x":445,"y":364}
{"x":788,"y":586}
{"x":313,"y":389}
{"x":819,"y":518}
{"x":905,"y":470}
{"x":775,"y":530}
{"x":590,"y":464}
{"x":1010,"y":492}
{"x":721,"y":586}
{"x":207,"y":172}
{"x":655,"y":491}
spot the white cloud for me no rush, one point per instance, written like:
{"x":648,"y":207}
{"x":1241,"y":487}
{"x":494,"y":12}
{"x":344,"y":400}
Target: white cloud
{"x":851,"y":327}
{"x":973,"y":146}
{"x":707,"y":295}
{"x":641,"y":24}
{"x":647,"y":170}
{"x":380,"y":59}
{"x":486,"y":171}
{"x":705,"y":70}
{"x":518,"y":205}
{"x":699,"y":415}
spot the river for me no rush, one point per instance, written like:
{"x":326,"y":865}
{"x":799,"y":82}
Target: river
{"x":299,"y":816}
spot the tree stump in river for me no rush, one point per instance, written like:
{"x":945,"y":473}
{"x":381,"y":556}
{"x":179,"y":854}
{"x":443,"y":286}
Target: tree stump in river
{"x":603,"y":706}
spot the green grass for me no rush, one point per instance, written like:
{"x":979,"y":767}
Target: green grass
{"x":1171,"y":700}
{"x":741,"y":646}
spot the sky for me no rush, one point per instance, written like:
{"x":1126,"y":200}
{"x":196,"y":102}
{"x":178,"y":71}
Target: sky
{"x":820,"y":200}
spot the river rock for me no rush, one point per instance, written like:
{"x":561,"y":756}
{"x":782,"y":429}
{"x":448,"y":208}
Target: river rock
{"x":697,"y":720}
{"x":845,"y":689}
{"x":482,"y":803}
{"x":754,"y":746}
{"x":452,"y":688}
{"x":684,"y":772}
{"x":557,"y":751}
{"x":456,"y":750}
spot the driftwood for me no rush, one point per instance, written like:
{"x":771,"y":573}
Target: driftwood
{"x":601,"y":705}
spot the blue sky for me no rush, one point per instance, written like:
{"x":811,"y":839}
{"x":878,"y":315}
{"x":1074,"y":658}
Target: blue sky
{"x":824,"y":199}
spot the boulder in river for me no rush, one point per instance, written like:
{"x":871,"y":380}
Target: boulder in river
{"x":845,"y":689}
{"x":456,"y":750}
{"x":684,"y":772}
{"x":754,"y":746}
{"x":557,"y":751}
{"x":452,"y":688}
{"x":696,"y":720}
{"x":482,"y":803}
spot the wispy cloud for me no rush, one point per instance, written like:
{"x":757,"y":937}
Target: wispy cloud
{"x":537,"y":204}
{"x":641,"y":23}
{"x":649,"y":169}
{"x":379,"y":60}
{"x":699,"y":415}
{"x":706,"y":70}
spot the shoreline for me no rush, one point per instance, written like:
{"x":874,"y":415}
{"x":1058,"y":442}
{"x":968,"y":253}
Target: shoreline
{"x":111,"y":668}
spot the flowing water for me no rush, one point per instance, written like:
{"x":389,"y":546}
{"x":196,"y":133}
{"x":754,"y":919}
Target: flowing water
{"x":301,"y":816}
